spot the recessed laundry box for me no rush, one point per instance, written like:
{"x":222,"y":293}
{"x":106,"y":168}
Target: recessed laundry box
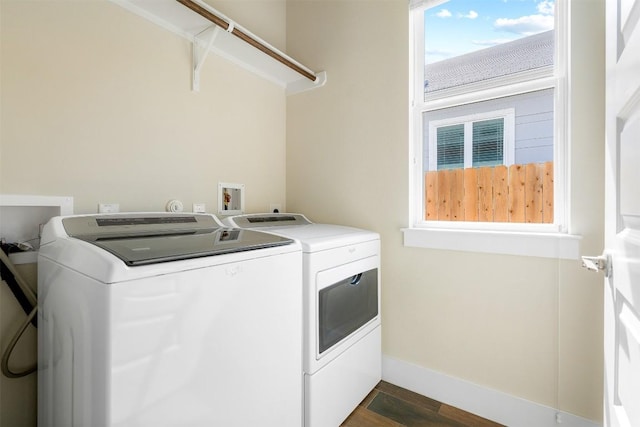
{"x":168,"y":320}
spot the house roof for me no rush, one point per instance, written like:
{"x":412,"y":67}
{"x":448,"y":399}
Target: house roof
{"x":524,"y":54}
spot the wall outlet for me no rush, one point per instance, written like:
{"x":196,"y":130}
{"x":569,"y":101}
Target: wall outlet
{"x":108,"y":207}
{"x":274,"y":207}
{"x":199,"y":208}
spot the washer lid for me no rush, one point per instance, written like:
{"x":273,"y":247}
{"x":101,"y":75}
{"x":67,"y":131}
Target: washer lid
{"x":313,"y":237}
{"x":149,"y":249}
{"x":143,"y":240}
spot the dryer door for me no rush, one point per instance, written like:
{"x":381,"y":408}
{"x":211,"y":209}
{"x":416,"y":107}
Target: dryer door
{"x":345,"y":306}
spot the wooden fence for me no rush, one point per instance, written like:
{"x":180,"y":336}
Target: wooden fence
{"x":517,"y":193}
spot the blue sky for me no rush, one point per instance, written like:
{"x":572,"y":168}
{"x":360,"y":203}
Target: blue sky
{"x":455,"y":27}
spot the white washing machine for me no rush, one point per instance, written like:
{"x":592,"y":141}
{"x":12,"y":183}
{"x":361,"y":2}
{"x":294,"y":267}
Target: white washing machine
{"x":167,"y":320}
{"x":342,"y":328}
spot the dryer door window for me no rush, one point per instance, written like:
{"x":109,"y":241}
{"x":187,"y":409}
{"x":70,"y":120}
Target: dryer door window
{"x":346,"y":306}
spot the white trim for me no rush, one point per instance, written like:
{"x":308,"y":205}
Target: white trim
{"x":545,"y":245}
{"x":485,"y":402}
{"x":425,"y":4}
{"x":416,"y":44}
{"x":562,"y":130}
{"x":498,"y":87}
{"x":508,"y":142}
{"x":519,"y":83}
{"x":64,"y":203}
{"x":31,"y":215}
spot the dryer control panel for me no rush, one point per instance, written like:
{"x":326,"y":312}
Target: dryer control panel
{"x":268,"y":220}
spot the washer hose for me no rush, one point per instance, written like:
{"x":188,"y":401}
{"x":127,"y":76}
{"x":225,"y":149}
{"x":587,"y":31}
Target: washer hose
{"x":31,"y":296}
{"x":6,"y":371}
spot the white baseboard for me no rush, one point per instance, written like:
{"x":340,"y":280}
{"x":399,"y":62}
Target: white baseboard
{"x":491,"y":404}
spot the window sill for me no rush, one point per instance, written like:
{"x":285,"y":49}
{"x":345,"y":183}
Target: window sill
{"x":545,"y":245}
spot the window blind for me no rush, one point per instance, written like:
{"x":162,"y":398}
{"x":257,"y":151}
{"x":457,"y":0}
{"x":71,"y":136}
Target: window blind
{"x":488,"y":142}
{"x":450,"y":146}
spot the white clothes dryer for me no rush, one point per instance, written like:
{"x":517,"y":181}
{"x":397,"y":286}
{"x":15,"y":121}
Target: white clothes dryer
{"x":167,"y":320}
{"x":342,"y":322}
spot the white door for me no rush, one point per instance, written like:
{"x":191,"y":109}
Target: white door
{"x":622,"y":215}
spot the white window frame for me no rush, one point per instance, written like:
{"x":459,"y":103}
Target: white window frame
{"x":508,"y":143}
{"x":543,"y":240}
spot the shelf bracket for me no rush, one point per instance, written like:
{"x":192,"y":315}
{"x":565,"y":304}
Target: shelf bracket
{"x":201,"y":49}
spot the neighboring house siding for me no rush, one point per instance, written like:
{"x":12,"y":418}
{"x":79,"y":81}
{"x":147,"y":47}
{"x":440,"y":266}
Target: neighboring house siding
{"x":533,"y":124}
{"x":534,"y":128}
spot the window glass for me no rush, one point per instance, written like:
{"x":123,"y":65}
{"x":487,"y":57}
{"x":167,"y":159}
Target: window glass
{"x":488,"y":142}
{"x":487,"y":136}
{"x":450,"y":147}
{"x":472,"y":41}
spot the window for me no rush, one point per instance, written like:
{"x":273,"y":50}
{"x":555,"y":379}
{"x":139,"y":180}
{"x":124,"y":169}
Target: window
{"x":471,"y":141}
{"x":488,"y":116}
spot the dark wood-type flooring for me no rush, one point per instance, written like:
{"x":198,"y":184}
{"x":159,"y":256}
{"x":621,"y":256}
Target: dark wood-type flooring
{"x":392,"y":406}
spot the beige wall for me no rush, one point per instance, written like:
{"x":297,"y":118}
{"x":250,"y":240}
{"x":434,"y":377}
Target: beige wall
{"x":526,"y":326}
{"x":96,"y":103}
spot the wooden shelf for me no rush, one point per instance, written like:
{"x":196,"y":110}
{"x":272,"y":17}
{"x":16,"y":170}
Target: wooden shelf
{"x":208,"y":37}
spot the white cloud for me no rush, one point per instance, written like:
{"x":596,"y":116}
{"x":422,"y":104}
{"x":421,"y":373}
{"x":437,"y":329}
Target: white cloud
{"x":546,"y":7}
{"x":471,"y":15}
{"x":493,"y":42}
{"x":435,"y":55}
{"x":531,"y":24}
{"x":438,"y":52}
{"x":525,"y":25}
{"x":443,"y":13}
